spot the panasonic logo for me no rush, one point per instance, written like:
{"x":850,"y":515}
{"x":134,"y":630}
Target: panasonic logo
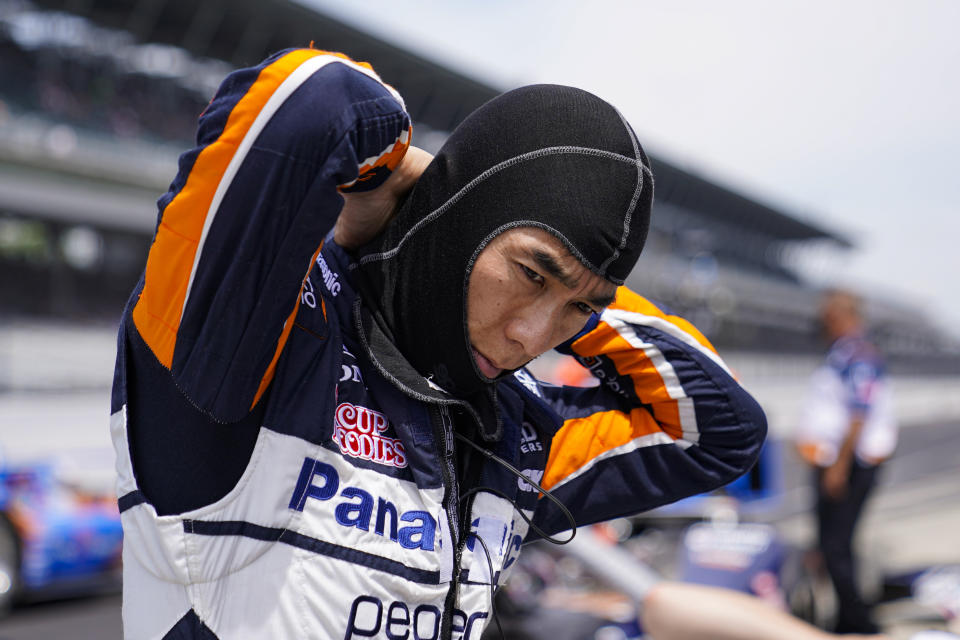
{"x":355,"y":507}
{"x":330,"y":278}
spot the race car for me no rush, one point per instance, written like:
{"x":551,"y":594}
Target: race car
{"x":57,"y":538}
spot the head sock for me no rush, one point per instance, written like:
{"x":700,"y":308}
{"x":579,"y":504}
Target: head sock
{"x":546,"y":156}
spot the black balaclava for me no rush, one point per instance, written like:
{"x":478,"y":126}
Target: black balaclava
{"x":546,"y":156}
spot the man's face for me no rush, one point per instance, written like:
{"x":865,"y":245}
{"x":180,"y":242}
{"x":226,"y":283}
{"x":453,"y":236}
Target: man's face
{"x":839,"y":316}
{"x":526,"y":295}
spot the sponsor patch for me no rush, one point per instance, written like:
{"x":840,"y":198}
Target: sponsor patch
{"x":355,"y":507}
{"x":331,"y":279}
{"x":533,"y":474}
{"x":529,"y":439}
{"x":358,"y":431}
{"x":529,"y":382}
{"x":372,"y":617}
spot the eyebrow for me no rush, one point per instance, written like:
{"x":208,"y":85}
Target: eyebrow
{"x":549,"y":264}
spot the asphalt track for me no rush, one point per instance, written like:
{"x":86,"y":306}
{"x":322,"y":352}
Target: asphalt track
{"x":914,"y":521}
{"x":92,"y":618}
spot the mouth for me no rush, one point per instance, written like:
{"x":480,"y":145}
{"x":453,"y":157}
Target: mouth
{"x":485,"y":365}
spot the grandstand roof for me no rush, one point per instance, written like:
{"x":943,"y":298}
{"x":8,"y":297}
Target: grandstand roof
{"x":687,"y":190}
{"x":243,"y":32}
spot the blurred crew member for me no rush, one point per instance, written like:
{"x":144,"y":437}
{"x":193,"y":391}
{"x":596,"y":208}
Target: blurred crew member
{"x":322,"y":419}
{"x":847,"y":430}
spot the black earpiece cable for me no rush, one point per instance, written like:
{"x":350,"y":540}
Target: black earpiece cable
{"x":546,"y":494}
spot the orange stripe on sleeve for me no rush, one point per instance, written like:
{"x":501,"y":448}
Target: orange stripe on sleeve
{"x":580,"y":440}
{"x":647,"y":383}
{"x":605,"y":340}
{"x":157,"y":312}
{"x":629,"y":361}
{"x":627,"y":300}
{"x":282,"y":341}
{"x":389,"y":159}
{"x":392,"y":156}
{"x":365,"y":65}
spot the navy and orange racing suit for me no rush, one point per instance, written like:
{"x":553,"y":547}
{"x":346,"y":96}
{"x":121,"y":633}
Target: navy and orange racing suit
{"x":273,"y":484}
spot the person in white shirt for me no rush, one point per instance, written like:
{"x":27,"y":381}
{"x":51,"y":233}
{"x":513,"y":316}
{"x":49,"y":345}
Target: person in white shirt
{"x":847,"y":430}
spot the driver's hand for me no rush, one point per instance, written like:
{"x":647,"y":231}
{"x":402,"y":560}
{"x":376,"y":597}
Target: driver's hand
{"x":366,"y":213}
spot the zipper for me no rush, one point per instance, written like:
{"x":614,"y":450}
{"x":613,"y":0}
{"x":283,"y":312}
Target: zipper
{"x":449,"y":471}
{"x":443,"y":434}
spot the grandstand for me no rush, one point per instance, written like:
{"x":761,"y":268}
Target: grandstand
{"x":98,"y":98}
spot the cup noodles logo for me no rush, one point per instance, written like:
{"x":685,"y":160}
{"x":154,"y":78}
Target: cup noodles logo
{"x":358,"y":432}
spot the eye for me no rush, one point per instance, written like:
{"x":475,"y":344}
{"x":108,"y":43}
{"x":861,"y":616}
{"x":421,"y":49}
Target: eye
{"x":584,"y":308}
{"x":531,"y":274}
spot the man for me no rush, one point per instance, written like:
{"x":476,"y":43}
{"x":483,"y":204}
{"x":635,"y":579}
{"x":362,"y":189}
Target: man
{"x":846,"y":431}
{"x":332,"y":436}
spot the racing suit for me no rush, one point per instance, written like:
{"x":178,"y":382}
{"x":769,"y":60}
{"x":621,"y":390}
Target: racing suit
{"x":274,"y":483}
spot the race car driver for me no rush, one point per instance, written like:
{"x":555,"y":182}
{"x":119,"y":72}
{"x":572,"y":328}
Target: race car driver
{"x":322,"y":421}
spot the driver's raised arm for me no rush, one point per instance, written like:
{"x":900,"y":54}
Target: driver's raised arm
{"x":668,"y":419}
{"x":239,"y":228}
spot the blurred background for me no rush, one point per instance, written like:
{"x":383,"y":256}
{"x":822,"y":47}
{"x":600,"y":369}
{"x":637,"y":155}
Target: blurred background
{"x":795,"y":146}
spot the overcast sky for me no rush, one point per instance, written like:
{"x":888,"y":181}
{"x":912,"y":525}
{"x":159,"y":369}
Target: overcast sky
{"x":846,"y":113}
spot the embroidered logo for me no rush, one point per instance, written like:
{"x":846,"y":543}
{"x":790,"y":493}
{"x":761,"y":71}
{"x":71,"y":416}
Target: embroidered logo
{"x":358,"y":431}
{"x":368,"y":614}
{"x":355,"y":507}
{"x":536,"y":475}
{"x":528,"y":381}
{"x":330,"y":278}
{"x":529,"y":440}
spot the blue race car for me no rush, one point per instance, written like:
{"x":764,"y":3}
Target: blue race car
{"x":56,"y":539}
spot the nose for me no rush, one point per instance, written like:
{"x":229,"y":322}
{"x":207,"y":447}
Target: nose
{"x":533,"y":328}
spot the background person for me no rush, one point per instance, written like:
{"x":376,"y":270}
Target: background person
{"x":846,"y":431}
